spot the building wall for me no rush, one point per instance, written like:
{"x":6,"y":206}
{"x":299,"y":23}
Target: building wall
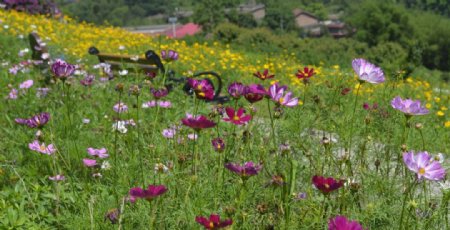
{"x":304,"y":20}
{"x":259,"y":14}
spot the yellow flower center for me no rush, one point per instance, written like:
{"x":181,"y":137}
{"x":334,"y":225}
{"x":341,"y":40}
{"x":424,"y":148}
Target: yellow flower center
{"x":42,"y":147}
{"x":281,"y":100}
{"x":327,"y":186}
{"x":421,"y":171}
{"x":201,"y":94}
{"x":211,"y":224}
{"x":236,"y":118}
{"x":199,"y":87}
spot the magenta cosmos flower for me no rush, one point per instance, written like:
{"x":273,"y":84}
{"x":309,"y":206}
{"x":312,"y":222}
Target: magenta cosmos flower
{"x":424,"y":165}
{"x":42,"y":148}
{"x":213,"y":222}
{"x":36,"y":121}
{"x":169,"y":55}
{"x":367,"y":71}
{"x":236,"y":117}
{"x":327,"y":185}
{"x":218,"y":144}
{"x":151,"y":192}
{"x":203,"y":88}
{"x":408,"y":106}
{"x":341,"y":223}
{"x":62,"y":69}
{"x":277,"y":93}
{"x":236,"y":90}
{"x":100,"y":153}
{"x":198,"y":122}
{"x":89,"y":162}
{"x":254,"y":93}
{"x":246,"y":170}
{"x":265,"y":75}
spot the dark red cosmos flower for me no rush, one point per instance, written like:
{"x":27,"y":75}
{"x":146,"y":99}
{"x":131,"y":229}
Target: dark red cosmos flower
{"x":213,"y":222}
{"x":203,"y":88}
{"x":151,"y":192}
{"x":218,"y":144}
{"x":237,"y":117}
{"x":247,"y":170}
{"x":341,"y":223}
{"x":345,"y":91}
{"x":254,"y":93}
{"x":36,"y":121}
{"x":159,"y":93}
{"x":326,"y":185}
{"x":305,"y":74}
{"x":198,"y":122}
{"x":265,"y":75}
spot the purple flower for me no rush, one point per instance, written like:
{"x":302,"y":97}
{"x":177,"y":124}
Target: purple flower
{"x":165,"y":104}
{"x":88,"y":80}
{"x":57,"y":178}
{"x":26,"y":84}
{"x":198,"y":122}
{"x":408,"y":106}
{"x":236,"y":90}
{"x":169,"y":55}
{"x":159,"y":93}
{"x":218,"y":144}
{"x":424,"y":165}
{"x":367,"y":71}
{"x":277,"y":94}
{"x":120,"y":107}
{"x":213,"y":222}
{"x":169,"y":133}
{"x":151,"y":192}
{"x":37,"y":121}
{"x":148,"y":104}
{"x":254,"y":93}
{"x":42,"y":92}
{"x":62,"y":69}
{"x":100,"y":153}
{"x":203,"y":88}
{"x":42,"y":148}
{"x":341,"y":223}
{"x":13,"y":94}
{"x":89,"y":162}
{"x":247,"y":170}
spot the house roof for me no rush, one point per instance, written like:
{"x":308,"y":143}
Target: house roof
{"x":181,"y":31}
{"x":250,"y":8}
{"x":297,"y":12}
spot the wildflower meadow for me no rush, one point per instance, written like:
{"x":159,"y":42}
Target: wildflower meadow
{"x":288,"y":145}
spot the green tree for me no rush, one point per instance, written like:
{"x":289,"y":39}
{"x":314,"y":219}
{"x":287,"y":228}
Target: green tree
{"x":209,"y":13}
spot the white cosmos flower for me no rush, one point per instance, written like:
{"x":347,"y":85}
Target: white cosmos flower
{"x":120,"y":126}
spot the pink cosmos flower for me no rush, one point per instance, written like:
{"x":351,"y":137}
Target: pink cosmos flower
{"x":278,"y":95}
{"x":169,"y":133}
{"x":165,"y":104}
{"x":237,"y":117}
{"x":424,"y":166}
{"x":408,"y":106}
{"x":342,"y":223}
{"x":367,"y":71}
{"x":57,"y":178}
{"x":148,"y":104}
{"x":13,"y":94}
{"x":42,"y":148}
{"x":26,"y":84}
{"x":89,"y":162}
{"x":120,"y":107}
{"x":62,"y":69}
{"x":100,"y":153}
{"x":197,"y":123}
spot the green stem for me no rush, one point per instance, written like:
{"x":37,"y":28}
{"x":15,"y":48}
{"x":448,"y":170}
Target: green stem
{"x":272,"y":125}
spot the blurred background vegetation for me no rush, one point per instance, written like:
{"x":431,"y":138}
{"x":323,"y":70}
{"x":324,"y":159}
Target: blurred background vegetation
{"x":399,"y":35}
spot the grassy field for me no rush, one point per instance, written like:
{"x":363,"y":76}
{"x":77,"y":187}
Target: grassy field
{"x":340,"y":127}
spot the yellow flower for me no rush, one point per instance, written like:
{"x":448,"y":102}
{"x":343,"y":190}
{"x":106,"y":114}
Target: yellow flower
{"x":428,"y":105}
{"x":440,"y":113}
{"x":437,"y":99}
{"x":447,"y":124}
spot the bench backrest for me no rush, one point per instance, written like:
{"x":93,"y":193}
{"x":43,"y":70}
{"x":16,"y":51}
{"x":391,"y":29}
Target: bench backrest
{"x":38,"y":48}
{"x":131,"y":63}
